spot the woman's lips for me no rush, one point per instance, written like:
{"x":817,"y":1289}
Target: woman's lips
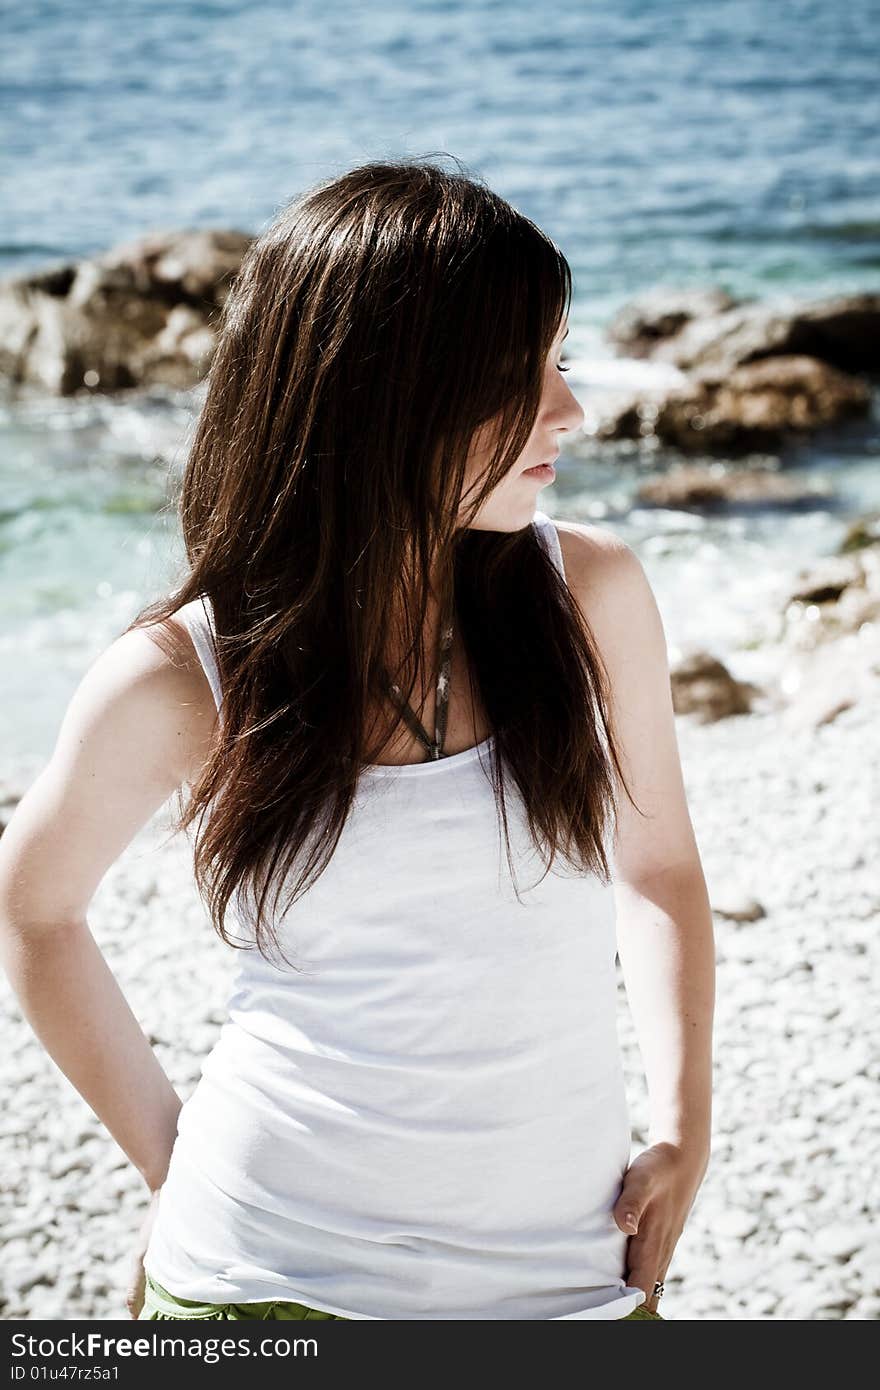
{"x":545,"y":472}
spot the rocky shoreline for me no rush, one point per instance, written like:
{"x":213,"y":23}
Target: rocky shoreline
{"x":732,"y":375}
{"x":743,"y":374}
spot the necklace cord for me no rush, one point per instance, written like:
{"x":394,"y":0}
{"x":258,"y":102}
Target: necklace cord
{"x":441,"y":704}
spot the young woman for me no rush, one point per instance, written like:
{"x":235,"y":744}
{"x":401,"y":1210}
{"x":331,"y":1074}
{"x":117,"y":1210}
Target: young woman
{"x":427,"y":736}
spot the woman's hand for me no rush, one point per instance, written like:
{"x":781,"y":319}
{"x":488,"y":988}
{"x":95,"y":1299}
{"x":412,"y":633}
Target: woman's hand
{"x":659,"y":1188}
{"x":134,"y":1297}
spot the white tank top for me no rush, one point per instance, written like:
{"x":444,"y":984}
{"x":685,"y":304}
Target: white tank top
{"x":430,"y":1120}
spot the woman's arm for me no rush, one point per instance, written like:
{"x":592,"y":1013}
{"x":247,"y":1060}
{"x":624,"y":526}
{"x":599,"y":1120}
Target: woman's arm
{"x":125,"y":744}
{"x":664,"y":919}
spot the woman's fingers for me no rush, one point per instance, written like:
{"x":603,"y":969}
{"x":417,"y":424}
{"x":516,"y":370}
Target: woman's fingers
{"x":630,"y":1205}
{"x":645,"y":1260}
{"x":134,"y":1299}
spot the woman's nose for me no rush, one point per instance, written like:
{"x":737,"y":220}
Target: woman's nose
{"x":566,"y":409}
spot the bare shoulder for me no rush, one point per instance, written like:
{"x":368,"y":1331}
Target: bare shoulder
{"x":604,"y":573}
{"x":584,"y":543}
{"x":144,"y":703}
{"x":161,"y":654}
{"x":133,"y":732}
{"x":612,"y":589}
{"x":162,"y":660}
{"x":151,"y":680}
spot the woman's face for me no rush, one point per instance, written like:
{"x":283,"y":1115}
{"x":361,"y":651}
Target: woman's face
{"x":512,"y":504}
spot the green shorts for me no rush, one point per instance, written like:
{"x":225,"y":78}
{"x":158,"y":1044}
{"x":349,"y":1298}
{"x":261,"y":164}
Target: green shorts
{"x":159,"y":1304}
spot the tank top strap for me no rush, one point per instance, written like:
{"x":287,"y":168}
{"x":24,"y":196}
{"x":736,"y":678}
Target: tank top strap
{"x":199,"y":619}
{"x":550,"y":539}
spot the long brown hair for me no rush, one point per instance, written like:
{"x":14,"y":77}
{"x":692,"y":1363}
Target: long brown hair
{"x":380,"y":321}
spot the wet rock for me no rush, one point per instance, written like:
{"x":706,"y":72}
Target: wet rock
{"x":755,"y":371}
{"x":756,"y":406}
{"x":838,"y":596}
{"x":827,"y":581}
{"x":143,"y":313}
{"x":842,"y":331}
{"x":702,"y":486}
{"x":702,"y":685}
{"x":643,"y":322}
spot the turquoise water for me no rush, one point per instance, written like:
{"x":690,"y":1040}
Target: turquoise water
{"x":678,"y":142}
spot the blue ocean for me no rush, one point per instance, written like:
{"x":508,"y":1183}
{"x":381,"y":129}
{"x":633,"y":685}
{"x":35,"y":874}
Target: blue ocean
{"x":659,"y":142}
